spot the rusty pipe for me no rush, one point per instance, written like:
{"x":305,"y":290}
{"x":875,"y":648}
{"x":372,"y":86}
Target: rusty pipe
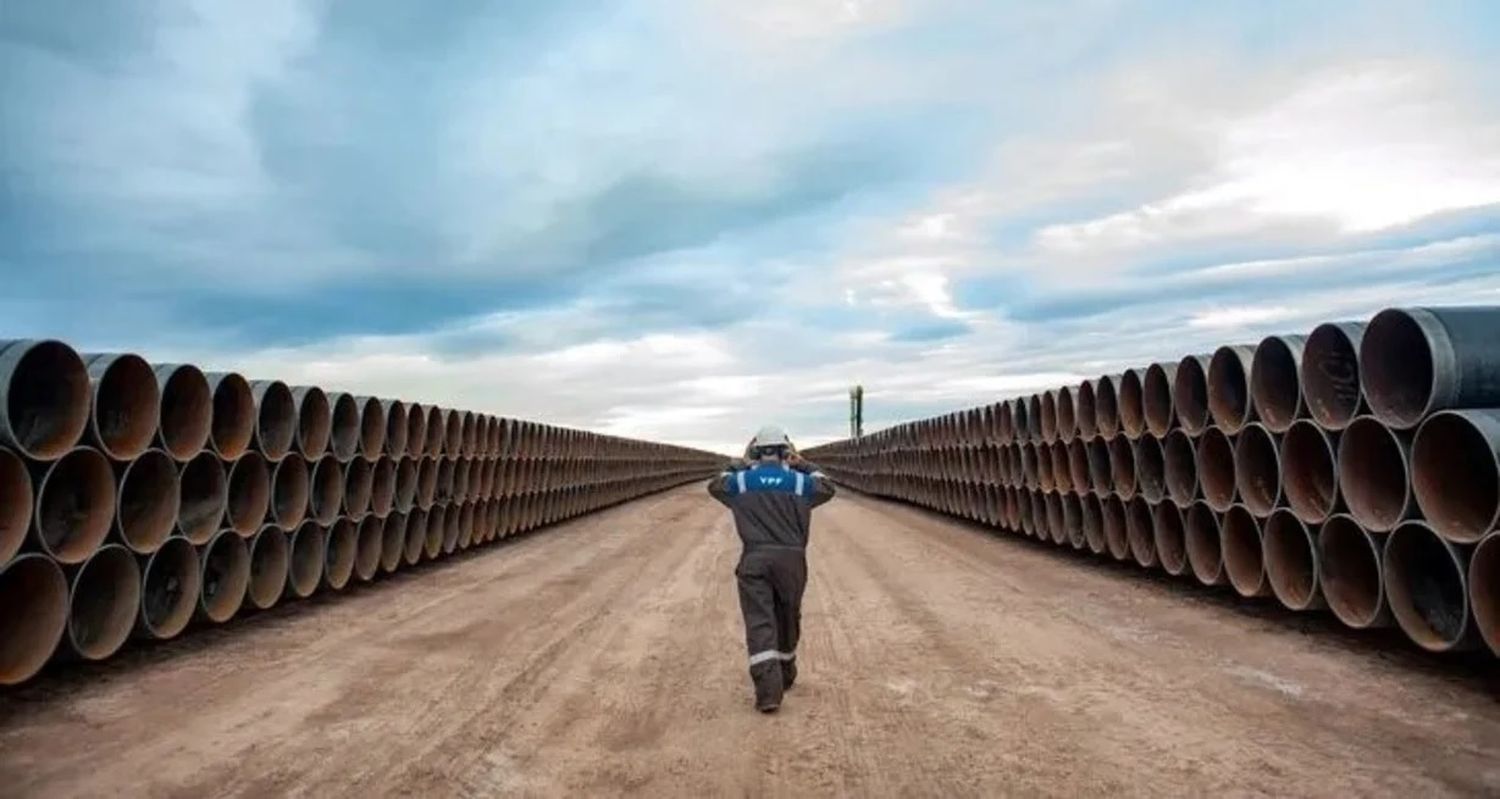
{"x":392,"y":542}
{"x":1190,"y":393}
{"x":1373,"y":469}
{"x":1072,"y":519}
{"x":75,"y":504}
{"x":1078,"y":465}
{"x":372,"y":427}
{"x":371,"y":543}
{"x":1020,"y":418}
{"x":16,"y":505}
{"x":1310,"y":476}
{"x":327,"y":490}
{"x":1034,"y":418}
{"x":314,"y":421}
{"x":1169,"y":537}
{"x":383,"y":487}
{"x":406,"y":485}
{"x":1204,"y":555}
{"x":270,"y":563}
{"x":1100,"y":476}
{"x":1240,"y":544}
{"x":1067,"y":419}
{"x":1416,"y":361}
{"x":249,"y":494}
{"x":468,"y":436}
{"x":203,"y":498}
{"x":1086,"y":410}
{"x":103,"y":601}
{"x":453,"y":440}
{"x":427,"y":483}
{"x":1062,"y":475}
{"x":1106,"y":406}
{"x":225,"y":563}
{"x":1052,"y":507}
{"x":1290,"y":554}
{"x":1092,"y":511}
{"x":1426,"y":584}
{"x":1131,"y":401}
{"x":338,"y":561}
{"x":34,"y":593}
{"x":445,"y":478}
{"x":187,"y":411}
{"x":148,"y":501}
{"x":1230,"y":403}
{"x":1150,"y":468}
{"x":309,"y":548}
{"x":466,"y":525}
{"x":1216,"y":477}
{"x":397,"y":427}
{"x":1157,"y":402}
{"x":1116,"y":532}
{"x":1484,"y":590}
{"x":232,"y":420}
{"x":125,"y":404}
{"x":290,"y":484}
{"x":416,"y":430}
{"x":169,"y":589}
{"x":344,"y":426}
{"x":1180,"y":467}
{"x":275,"y":419}
{"x":44,"y":398}
{"x":1276,"y":381}
{"x":437,"y":430}
{"x":416,"y":536}
{"x":1140,"y":531}
{"x":1049,"y":415}
{"x":1349,"y":573}
{"x":1257,"y":469}
{"x":1330,"y":374}
{"x":461,"y":468}
{"x":1122,"y":467}
{"x":359,"y":487}
{"x":437,"y":530}
{"x":1455,"y":466}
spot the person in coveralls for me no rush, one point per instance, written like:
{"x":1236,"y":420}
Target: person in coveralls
{"x":772,"y":494}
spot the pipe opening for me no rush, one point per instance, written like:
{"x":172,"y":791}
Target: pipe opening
{"x":1455,"y":473}
{"x":1373,"y":474}
{"x":1396,"y":366}
{"x":1424,"y":583}
{"x":1078,"y":465}
{"x":226,"y":576}
{"x":269,"y":562}
{"x":1157,"y":402}
{"x":105,"y":600}
{"x":1052,"y":506}
{"x":416,"y":430}
{"x":309,"y":548}
{"x":314,"y":421}
{"x":461,"y":469}
{"x":1180,"y":460}
{"x":1072,"y":521}
{"x":1122,"y":466}
{"x":466,"y":525}
{"x":344,"y":426}
{"x":1106,"y":407}
{"x":76,"y":505}
{"x":1190,"y":393}
{"x":383,"y":487}
{"x":1240,"y":545}
{"x":437,"y":428}
{"x":1349,"y":573}
{"x":1062,"y":476}
{"x":1140,"y":530}
{"x":437,"y":526}
{"x":1150,"y":468}
{"x":1484,"y":590}
{"x":338,"y":562}
{"x":289,"y":492}
{"x":1216,"y":469}
{"x":371,"y":542}
{"x":1020,"y":418}
{"x":1034,"y":417}
{"x":186,"y":411}
{"x":1100,"y":476}
{"x":16,"y":505}
{"x":397,"y":428}
{"x":1276,"y":381}
{"x":46,"y":398}
{"x":372,"y":428}
{"x":1170,"y":539}
{"x":327,"y":496}
{"x":1093,"y":523}
{"x":1228,"y":388}
{"x":35,"y":595}
{"x":1291,"y":561}
{"x":1311,"y":472}
{"x":1116,"y":537}
{"x":275,"y":419}
{"x":169,"y":589}
{"x":1086,"y":410}
{"x":453,"y":442}
{"x":445,"y":469}
{"x":232,"y":424}
{"x":1067,"y":420}
{"x":1049,"y":416}
{"x":393,"y":542}
{"x":470,"y":434}
{"x":427,"y":483}
{"x":1132,"y":404}
{"x":359,"y":487}
{"x":1330,"y":374}
{"x":149,"y":500}
{"x":406,"y":485}
{"x":1203,"y":549}
{"x":249,"y":493}
{"x":203,"y":499}
{"x":416,"y":536}
{"x":127,"y":404}
{"x":1257,"y":468}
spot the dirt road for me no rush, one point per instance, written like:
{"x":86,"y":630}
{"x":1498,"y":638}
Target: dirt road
{"x":605,"y":656}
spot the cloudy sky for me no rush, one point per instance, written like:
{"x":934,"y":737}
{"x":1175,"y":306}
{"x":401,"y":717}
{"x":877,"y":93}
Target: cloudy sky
{"x":680,"y":220}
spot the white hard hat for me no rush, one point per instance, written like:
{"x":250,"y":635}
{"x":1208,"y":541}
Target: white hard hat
{"x":771,"y":436}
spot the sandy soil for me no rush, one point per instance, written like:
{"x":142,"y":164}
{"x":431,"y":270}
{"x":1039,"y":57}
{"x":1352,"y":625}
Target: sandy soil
{"x":605,"y":656}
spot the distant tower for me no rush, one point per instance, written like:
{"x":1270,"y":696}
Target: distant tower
{"x":856,"y":411}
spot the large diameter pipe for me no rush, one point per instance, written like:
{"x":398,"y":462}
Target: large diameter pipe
{"x":1257,"y":469}
{"x":1078,"y":465}
{"x":467,"y":525}
{"x":249,"y":494}
{"x":1140,"y":531}
{"x":416,"y":536}
{"x":1150,"y":468}
{"x":187,"y":410}
{"x":1049,"y":415}
{"x":1067,"y":418}
{"x":103,"y":602}
{"x":1106,"y":406}
{"x":437,"y":430}
{"x":1052,"y":507}
{"x":372,"y":427}
{"x":75,"y":505}
{"x":1086,"y":409}
{"x":16,"y":504}
{"x":1310,"y":476}
{"x":309,"y":547}
{"x":437,"y":528}
{"x":1484,"y":590}
{"x":148,"y":502}
{"x":1416,"y":361}
{"x":44,"y":398}
{"x":290,"y":484}
{"x":1203,"y":539}
{"x":1373,"y":468}
{"x":469,"y":436}
{"x":1240,"y":544}
{"x":225,"y":563}
{"x":452,"y":529}
{"x":359,"y":487}
{"x":1276,"y":381}
{"x":344,"y":430}
{"x":125,"y":405}
{"x":1349,"y":573}
{"x":392,"y":542}
{"x":1100,"y":475}
{"x":1426,"y":583}
{"x":416,"y":430}
{"x":406,"y":485}
{"x":1132,"y":404}
{"x":1330,"y":374}
{"x":203,"y":499}
{"x":1180,"y":461}
{"x":383,"y":487}
{"x":1290,"y":554}
{"x":314,"y":421}
{"x":1169,"y":537}
{"x":1216,"y":477}
{"x":1455,"y":464}
{"x":1072,"y":519}
{"x":169,"y":589}
{"x":398,"y":427}
{"x":371,"y":542}
{"x":276,"y":418}
{"x":232,"y":424}
{"x":427,"y":482}
{"x":343,"y":549}
{"x":1033,"y":421}
{"x":1122,"y":467}
{"x":270,"y":561}
{"x":327,"y":490}
{"x":1190,"y":393}
{"x":453,"y":441}
{"x":1116,"y":532}
{"x":34,"y":594}
{"x":1158,"y":403}
{"x":1230,"y":403}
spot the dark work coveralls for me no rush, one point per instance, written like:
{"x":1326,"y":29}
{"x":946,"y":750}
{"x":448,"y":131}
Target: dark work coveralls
{"x":772,"y":505}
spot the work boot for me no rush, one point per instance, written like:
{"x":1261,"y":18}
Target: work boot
{"x":788,"y":674}
{"x":768,"y":691}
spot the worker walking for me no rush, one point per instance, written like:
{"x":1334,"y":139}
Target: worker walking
{"x":772,"y":494}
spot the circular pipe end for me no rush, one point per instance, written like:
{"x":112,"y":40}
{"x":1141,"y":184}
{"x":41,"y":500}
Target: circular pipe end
{"x":105,"y":599}
{"x":1291,"y":561}
{"x":1426,"y":587}
{"x":1330,"y":374}
{"x":150,"y":499}
{"x":1349,"y":573}
{"x":75,"y":506}
{"x":46,"y":398}
{"x":270,"y":560}
{"x":169,"y":589}
{"x":1455,"y":466}
{"x":34,"y":593}
{"x":186,"y":410}
{"x":225,"y":576}
{"x":232,"y":425}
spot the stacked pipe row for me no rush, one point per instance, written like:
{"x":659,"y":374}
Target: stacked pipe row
{"x":1356,"y":468}
{"x":136,"y":498}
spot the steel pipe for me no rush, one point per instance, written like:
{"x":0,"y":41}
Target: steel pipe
{"x":1426,"y":585}
{"x":1034,"y":418}
{"x":148,"y":501}
{"x":1204,"y":555}
{"x":1072,"y":520}
{"x":1067,"y":419}
{"x":372,"y":427}
{"x":232,"y":422}
{"x":1240,"y":544}
{"x":359,"y":487}
{"x":1330,"y":374}
{"x":383,"y":487}
{"x":270,"y":563}
{"x":125,"y":405}
{"x":203,"y":498}
{"x":169,"y":590}
{"x":186,"y":420}
{"x":416,"y":536}
{"x":1310,"y":476}
{"x":1086,"y":409}
{"x":1484,"y":590}
{"x":44,"y":398}
{"x":338,"y":561}
{"x":314,"y":421}
{"x":416,"y":430}
{"x":1078,"y":465}
{"x":1140,"y":531}
{"x":1455,"y":466}
{"x":327,"y":497}
{"x":392,"y":542}
{"x":1150,"y":468}
{"x":437,"y":430}
{"x":225,"y":577}
{"x":1049,"y":415}
{"x":309,"y":549}
{"x":406,"y":485}
{"x":1230,"y":403}
{"x":1416,"y":361}
{"x":1020,"y":417}
{"x":1190,"y":393}
{"x":1106,"y":406}
{"x":468,"y":435}
{"x":453,"y":440}
{"x":103,"y":601}
{"x":1276,"y":381}
{"x":466,"y":525}
{"x":1062,"y":474}
{"x":1052,"y":506}
{"x":275,"y":419}
{"x":452,"y":529}
{"x":1290,"y":555}
{"x":75,"y":505}
{"x":1349,"y":573}
{"x":344,"y":426}
{"x":1373,"y":469}
{"x":249,"y":494}
{"x":437,"y":528}
{"x":1169,"y":538}
{"x":1116,"y":533}
{"x":1132,"y":404}
{"x":1122,"y":467}
{"x":1257,"y":469}
{"x":1158,"y":404}
{"x":1101,"y":478}
{"x":1180,"y":467}
{"x":290,"y":484}
{"x":371,"y":543}
{"x":1216,"y":477}
{"x":461,"y":468}
{"x":427,"y":483}
{"x":16,"y":508}
{"x":398,"y":427}
{"x":445,"y":478}
{"x":34,"y":594}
